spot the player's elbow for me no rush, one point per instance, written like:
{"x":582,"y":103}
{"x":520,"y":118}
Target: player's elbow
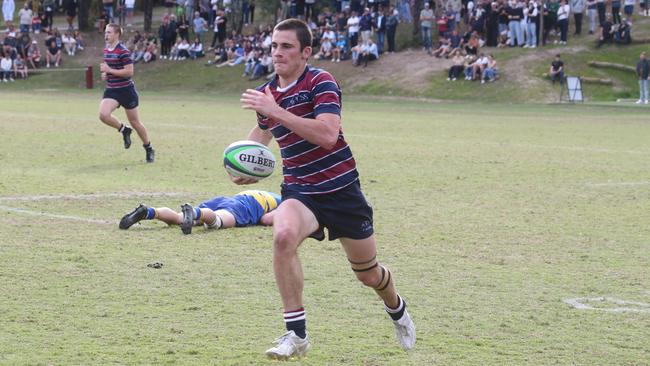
{"x":329,"y":142}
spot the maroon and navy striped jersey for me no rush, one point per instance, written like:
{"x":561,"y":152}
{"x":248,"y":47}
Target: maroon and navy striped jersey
{"x":309,"y":168}
{"x":117,"y":58}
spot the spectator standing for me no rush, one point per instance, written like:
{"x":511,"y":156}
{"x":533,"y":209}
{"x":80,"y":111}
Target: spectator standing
{"x":25,"y":16}
{"x":365,"y":25}
{"x":601,"y":7}
{"x":515,"y":14}
{"x":108,"y":8}
{"x":183,"y":27}
{"x":70,"y":8}
{"x":380,"y":27}
{"x":532,"y":17}
{"x":220,"y":23}
{"x":404,"y":11}
{"x":48,"y":14}
{"x":426,"y":22}
{"x":309,"y":9}
{"x":643,"y":72}
{"x":628,"y":9}
{"x":200,"y":26}
{"x":353,"y":29}
{"x":391,"y":29}
{"x":8,"y":9}
{"x":167,"y":36}
{"x":129,"y":5}
{"x":189,"y":9}
{"x":563,"y":20}
{"x":592,"y":11}
{"x":578,"y":9}
{"x":616,"y":11}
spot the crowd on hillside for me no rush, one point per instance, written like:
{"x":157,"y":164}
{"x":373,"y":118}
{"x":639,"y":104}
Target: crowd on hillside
{"x":359,"y":31}
{"x":21,"y":47}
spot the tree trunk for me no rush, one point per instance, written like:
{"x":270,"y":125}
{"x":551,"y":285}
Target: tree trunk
{"x":415,"y":14}
{"x":148,"y":14}
{"x":84,"y":16}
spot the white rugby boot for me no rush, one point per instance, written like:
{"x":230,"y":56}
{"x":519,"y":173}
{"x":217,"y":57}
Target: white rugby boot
{"x":405,"y":331}
{"x":289,"y":345}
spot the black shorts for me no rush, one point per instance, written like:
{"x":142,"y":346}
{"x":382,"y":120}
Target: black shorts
{"x":127,"y":97}
{"x":345,"y":213}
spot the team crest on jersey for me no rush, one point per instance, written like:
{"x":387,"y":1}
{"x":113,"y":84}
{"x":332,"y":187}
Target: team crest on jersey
{"x":298,"y":99}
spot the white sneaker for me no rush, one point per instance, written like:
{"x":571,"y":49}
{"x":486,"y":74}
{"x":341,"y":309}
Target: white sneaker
{"x":645,"y":101}
{"x":405,"y":331}
{"x":639,"y":101}
{"x":289,"y":345}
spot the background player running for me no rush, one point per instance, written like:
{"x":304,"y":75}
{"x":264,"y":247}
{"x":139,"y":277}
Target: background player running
{"x":117,"y":70}
{"x":243,"y":209}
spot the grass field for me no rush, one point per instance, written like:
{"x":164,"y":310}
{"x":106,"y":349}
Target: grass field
{"x":490,"y":217}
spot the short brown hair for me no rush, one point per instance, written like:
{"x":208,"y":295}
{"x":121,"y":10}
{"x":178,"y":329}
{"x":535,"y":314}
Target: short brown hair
{"x":303,"y":33}
{"x":115,"y":27}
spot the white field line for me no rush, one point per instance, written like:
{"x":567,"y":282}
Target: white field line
{"x":92,"y":196}
{"x":581,"y":303}
{"x":619,"y":184}
{"x":78,"y":197}
{"x":56,"y":216}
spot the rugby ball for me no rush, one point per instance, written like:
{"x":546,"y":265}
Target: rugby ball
{"x":248,"y":159}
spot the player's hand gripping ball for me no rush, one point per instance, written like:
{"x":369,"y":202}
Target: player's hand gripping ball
{"x":248,"y":159}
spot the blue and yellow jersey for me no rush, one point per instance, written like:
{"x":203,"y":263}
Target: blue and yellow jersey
{"x":248,"y":207}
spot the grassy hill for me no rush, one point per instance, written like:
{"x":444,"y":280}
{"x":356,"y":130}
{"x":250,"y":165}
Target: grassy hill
{"x":408,"y":73}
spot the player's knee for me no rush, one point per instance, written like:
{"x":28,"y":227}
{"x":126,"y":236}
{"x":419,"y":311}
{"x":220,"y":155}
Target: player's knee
{"x":367,"y":271}
{"x":104,"y":116}
{"x":285,"y":239}
{"x":369,"y":278}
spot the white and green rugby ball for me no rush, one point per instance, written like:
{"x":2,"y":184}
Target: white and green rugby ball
{"x":248,"y":159}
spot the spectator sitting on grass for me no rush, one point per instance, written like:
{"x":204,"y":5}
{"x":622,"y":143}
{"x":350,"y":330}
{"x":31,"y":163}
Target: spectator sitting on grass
{"x":472,"y":46}
{"x":444,"y":49}
{"x":53,"y":53}
{"x":622,"y":32}
{"x":325,"y":51}
{"x":606,"y":32}
{"x":478,"y":66}
{"x":20,"y":67}
{"x":138,"y":51}
{"x":251,"y":62}
{"x":34,"y":55}
{"x":6,"y":68}
{"x":340,"y":50}
{"x":150,"y":51}
{"x":69,"y":43}
{"x":235,"y":57}
{"x":263,"y":67}
{"x":458,"y":65}
{"x":369,"y":52}
{"x":79,"y":39}
{"x":490,"y":71}
{"x":196,"y":49}
{"x":556,"y":72}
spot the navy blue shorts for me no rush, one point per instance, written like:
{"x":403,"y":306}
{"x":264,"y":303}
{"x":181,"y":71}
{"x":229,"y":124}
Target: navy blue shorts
{"x":127,"y":97}
{"x":345,"y":213}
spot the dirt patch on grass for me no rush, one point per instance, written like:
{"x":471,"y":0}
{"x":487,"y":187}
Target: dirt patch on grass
{"x":408,"y":70}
